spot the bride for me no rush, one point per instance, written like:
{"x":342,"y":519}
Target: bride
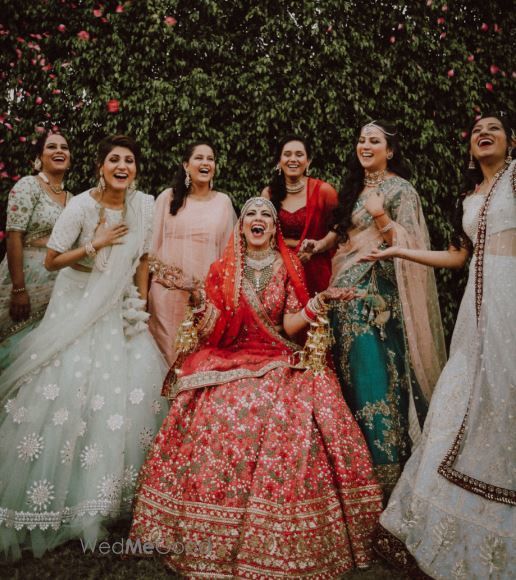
{"x":259,"y":463}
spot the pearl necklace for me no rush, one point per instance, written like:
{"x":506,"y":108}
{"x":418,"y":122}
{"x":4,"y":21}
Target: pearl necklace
{"x":58,"y":190}
{"x":374,"y":178}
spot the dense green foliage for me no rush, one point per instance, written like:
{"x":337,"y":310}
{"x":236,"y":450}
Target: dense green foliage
{"x":244,"y":73}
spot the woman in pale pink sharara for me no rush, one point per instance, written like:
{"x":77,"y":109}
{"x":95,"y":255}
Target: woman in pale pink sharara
{"x":192,"y":225}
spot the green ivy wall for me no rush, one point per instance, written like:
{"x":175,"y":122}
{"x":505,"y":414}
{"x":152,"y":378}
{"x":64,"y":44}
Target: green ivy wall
{"x":243,"y":73}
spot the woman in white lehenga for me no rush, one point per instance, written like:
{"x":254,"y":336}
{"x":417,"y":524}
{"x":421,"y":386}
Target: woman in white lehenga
{"x":453,"y":508}
{"x":81,"y":400}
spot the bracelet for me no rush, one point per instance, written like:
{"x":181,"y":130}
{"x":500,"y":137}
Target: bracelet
{"x":308,"y":315}
{"x":18,"y":290}
{"x":386,"y":228}
{"x":315,"y":306}
{"x":91,"y":252}
{"x":202,"y":304}
{"x":378,"y":215}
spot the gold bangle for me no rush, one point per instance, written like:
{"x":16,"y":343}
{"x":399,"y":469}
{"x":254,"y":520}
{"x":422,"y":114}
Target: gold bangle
{"x":18,"y":290}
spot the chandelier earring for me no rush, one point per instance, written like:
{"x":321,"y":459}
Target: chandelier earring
{"x":131,"y":188}
{"x":37,"y":164}
{"x":508,"y":159}
{"x":272,"y":243}
{"x":278,"y":169}
{"x":307,"y":172}
{"x":188,"y":180}
{"x":102,"y":183}
{"x":471,"y":164}
{"x":390,"y":155}
{"x":211,"y":183}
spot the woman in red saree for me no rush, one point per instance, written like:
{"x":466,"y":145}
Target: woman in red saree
{"x":304,"y":205}
{"x":259,"y":470}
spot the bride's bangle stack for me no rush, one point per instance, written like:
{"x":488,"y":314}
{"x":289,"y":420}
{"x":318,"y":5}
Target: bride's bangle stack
{"x":314,"y":308}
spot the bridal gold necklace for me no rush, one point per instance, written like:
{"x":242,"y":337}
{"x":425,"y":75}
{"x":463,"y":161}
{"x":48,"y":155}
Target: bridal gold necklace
{"x":258,"y":266}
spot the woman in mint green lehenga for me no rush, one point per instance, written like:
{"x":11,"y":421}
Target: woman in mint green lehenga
{"x":34,"y":204}
{"x":80,"y":401}
{"x":389,"y":347}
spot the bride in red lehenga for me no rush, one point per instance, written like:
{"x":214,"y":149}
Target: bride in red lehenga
{"x":259,"y":470}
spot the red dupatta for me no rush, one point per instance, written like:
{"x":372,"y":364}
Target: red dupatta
{"x":224,"y":282}
{"x":320,"y":202}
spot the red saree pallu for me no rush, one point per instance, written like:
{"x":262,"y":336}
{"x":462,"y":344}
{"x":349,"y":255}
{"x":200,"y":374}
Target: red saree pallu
{"x":259,"y":470}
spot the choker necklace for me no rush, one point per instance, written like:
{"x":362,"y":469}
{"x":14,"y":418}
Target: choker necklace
{"x":374,"y":178}
{"x":258,"y":267}
{"x":295,"y":187}
{"x":56,"y":189}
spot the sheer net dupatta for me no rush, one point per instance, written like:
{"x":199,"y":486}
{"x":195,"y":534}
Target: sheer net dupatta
{"x":418,"y":295}
{"x":102,"y":290}
{"x":416,"y":283}
{"x":482,"y":456}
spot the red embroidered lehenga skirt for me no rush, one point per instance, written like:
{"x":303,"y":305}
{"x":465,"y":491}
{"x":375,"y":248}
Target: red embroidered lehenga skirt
{"x":260,"y":478}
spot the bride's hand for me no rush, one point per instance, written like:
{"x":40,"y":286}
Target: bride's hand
{"x":377,"y":254}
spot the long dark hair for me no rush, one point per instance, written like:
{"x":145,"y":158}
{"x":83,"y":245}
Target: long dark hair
{"x":353,"y":179}
{"x":107,"y":145}
{"x":277,"y":185}
{"x":471,"y":177}
{"x":179,"y":190}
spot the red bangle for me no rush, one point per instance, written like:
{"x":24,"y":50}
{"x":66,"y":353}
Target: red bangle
{"x":310,"y":313}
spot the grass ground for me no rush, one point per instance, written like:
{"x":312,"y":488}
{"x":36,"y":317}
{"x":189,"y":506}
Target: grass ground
{"x":69,"y":562}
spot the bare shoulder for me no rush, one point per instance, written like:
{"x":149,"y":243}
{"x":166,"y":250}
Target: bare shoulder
{"x":266,"y":192}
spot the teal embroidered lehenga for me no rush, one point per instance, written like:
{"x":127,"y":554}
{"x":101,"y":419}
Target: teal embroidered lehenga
{"x":389,"y":346}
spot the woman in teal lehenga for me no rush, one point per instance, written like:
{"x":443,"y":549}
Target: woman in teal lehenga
{"x":389,"y":347}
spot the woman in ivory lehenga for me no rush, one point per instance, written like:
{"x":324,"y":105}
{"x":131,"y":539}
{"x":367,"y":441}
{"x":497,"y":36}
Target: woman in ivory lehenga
{"x":80,"y":403}
{"x":259,"y":470}
{"x":453,"y":508}
{"x":35,"y":203}
{"x":389,"y":344}
{"x":192,"y":224}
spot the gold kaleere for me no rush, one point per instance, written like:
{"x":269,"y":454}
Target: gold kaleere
{"x":320,"y":339}
{"x":187,"y":340}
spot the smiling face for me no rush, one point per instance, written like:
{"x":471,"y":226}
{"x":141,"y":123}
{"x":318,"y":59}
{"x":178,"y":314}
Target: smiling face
{"x":372,"y":149}
{"x":119,"y":169}
{"x":294,"y":160}
{"x":201,"y":165}
{"x":55,"y":157}
{"x":488,"y":140}
{"x":258,"y":226}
